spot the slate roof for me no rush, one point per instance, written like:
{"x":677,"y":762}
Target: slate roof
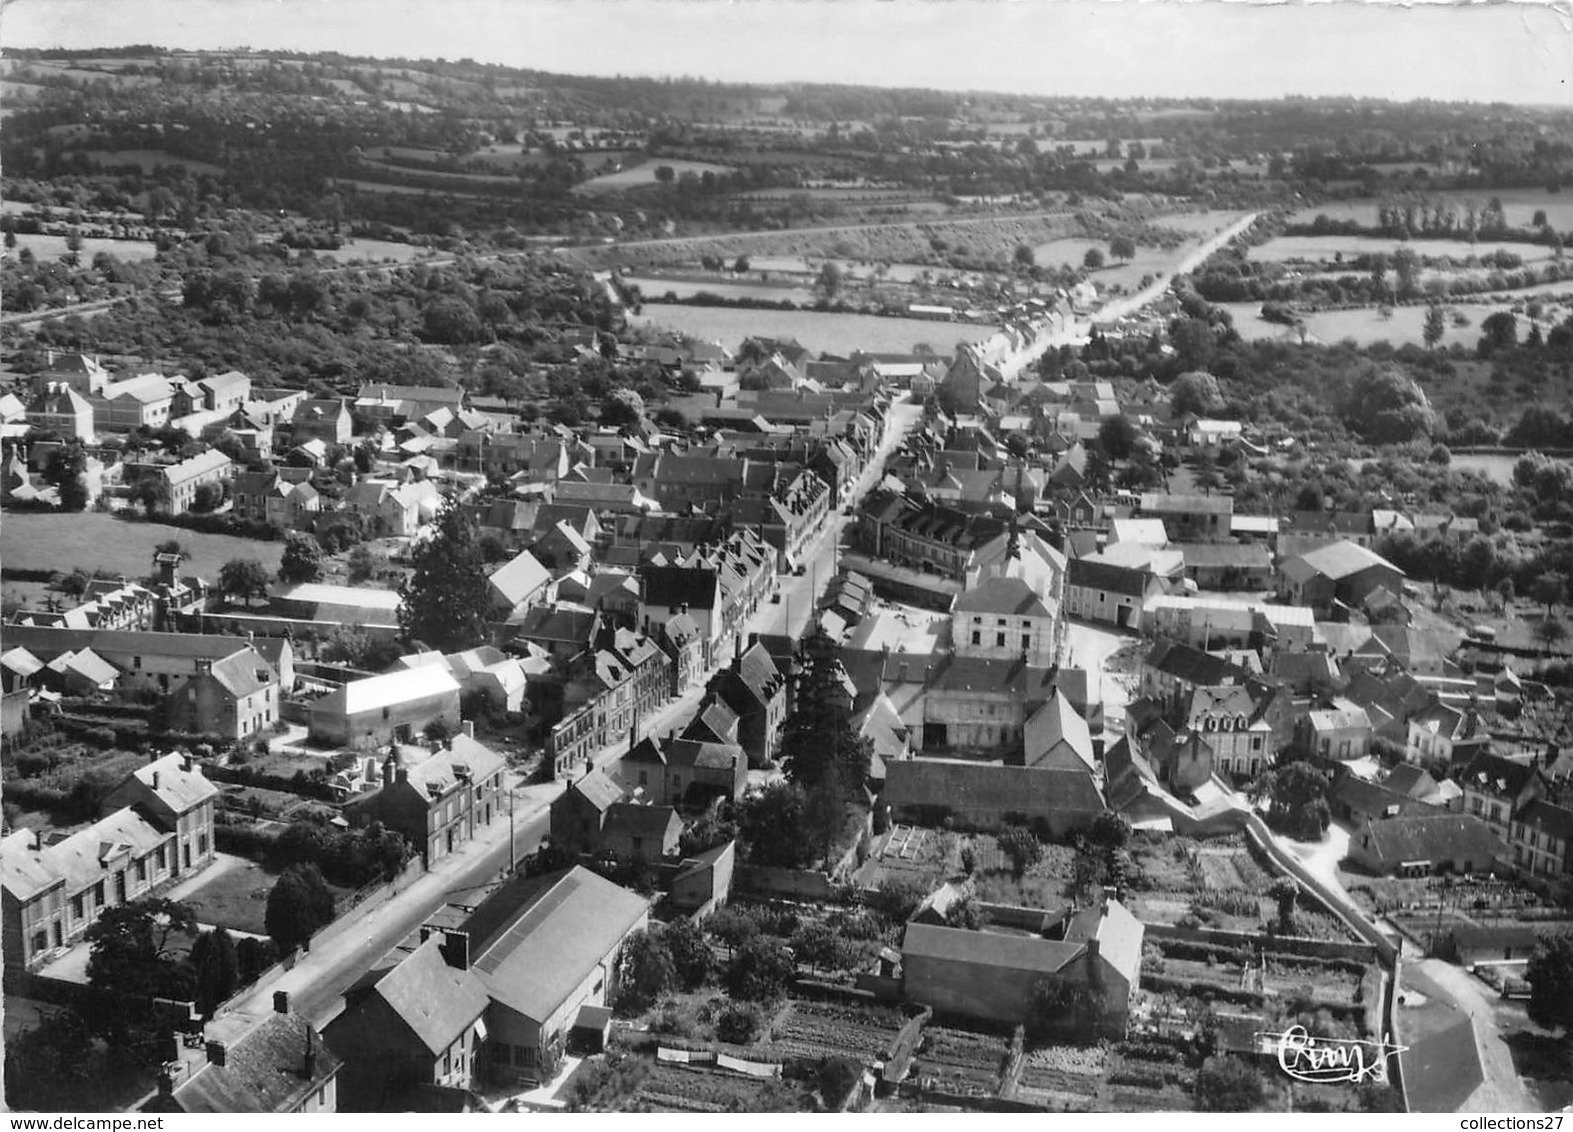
{"x":177,"y":788}
{"x":630,"y":819}
{"x":26,"y":871}
{"x":988,"y":949}
{"x":959,"y":784}
{"x":1433,"y":838}
{"x":436,"y":1001}
{"x":598,"y":789}
{"x":263,"y":1070}
{"x":1543,"y":816}
{"x":1057,"y":722}
{"x":1010,"y":597}
{"x":1090,"y":573}
{"x":1190,"y":664}
{"x":677,"y":586}
{"x":1494,"y":774}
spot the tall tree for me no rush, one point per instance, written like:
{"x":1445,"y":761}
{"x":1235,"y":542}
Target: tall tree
{"x":443,"y":603}
{"x":243,"y":579}
{"x":66,"y":468}
{"x":217,"y":966}
{"x":819,"y":731}
{"x":1434,"y":326}
{"x":299,"y":905}
{"x":301,"y":560}
{"x":1550,"y":978}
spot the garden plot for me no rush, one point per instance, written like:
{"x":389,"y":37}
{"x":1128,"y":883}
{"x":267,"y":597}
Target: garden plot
{"x":1062,"y":1078}
{"x":813,"y":1030}
{"x":1320,"y":982}
{"x":960,"y":1061}
{"x":686,"y":1088}
{"x":1224,"y":869}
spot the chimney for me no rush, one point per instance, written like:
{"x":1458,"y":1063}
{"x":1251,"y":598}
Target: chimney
{"x":217,"y":1052}
{"x":186,"y":763}
{"x":469,"y":728}
{"x":281,"y":1002}
{"x":38,"y":840}
{"x":166,"y":1083}
{"x":155,"y":780}
{"x":387,"y":770}
{"x":1092,"y":947}
{"x":455,"y":948}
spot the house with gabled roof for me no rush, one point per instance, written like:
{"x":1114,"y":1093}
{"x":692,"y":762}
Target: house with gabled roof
{"x":756,"y":692}
{"x":517,"y":584}
{"x":439,"y":801}
{"x":1057,"y":737}
{"x":636,"y":831}
{"x":1339,"y":574}
{"x":157,"y":826}
{"x":278,"y":1064}
{"x":1426,"y":844}
{"x":990,"y":796}
{"x":1496,"y":788}
{"x":419,"y":1022}
{"x":1444,"y":735}
{"x":237,"y":697}
{"x":579,"y":812}
{"x":1341,"y":732}
{"x":685,"y":772}
{"x":1004,"y":618}
{"x":993,"y":978}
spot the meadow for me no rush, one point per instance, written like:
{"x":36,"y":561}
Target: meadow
{"x":1520,"y":205}
{"x":839,"y":334}
{"x":53,"y":247}
{"x":642,"y":174}
{"x":1323,"y":249}
{"x":37,"y":540}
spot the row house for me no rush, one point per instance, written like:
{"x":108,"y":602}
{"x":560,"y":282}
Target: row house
{"x":685,"y":772}
{"x":754,"y":689}
{"x":157,"y":827}
{"x":385,"y":403}
{"x":84,"y":374}
{"x":541,"y":459}
{"x":387,"y":508}
{"x":789,"y":518}
{"x":1115,"y":591}
{"x":681,"y":482}
{"x":928,"y":536}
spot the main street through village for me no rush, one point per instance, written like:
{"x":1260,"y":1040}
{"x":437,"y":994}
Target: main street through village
{"x":343,"y":952}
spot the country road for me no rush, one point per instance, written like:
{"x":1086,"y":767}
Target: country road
{"x":1078,"y":330}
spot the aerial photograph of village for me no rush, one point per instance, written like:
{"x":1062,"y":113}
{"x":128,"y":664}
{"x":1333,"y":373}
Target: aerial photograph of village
{"x":899,"y":558}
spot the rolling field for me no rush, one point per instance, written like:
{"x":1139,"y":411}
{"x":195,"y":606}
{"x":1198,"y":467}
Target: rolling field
{"x":834,"y":333}
{"x":1366,"y":325}
{"x":1322,"y":249}
{"x":643,"y":175}
{"x":32,"y":540}
{"x":1519,"y":204}
{"x":53,"y":247}
{"x":147,"y":159}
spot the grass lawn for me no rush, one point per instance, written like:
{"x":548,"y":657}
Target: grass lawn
{"x":40,"y":540}
{"x":234,"y":898}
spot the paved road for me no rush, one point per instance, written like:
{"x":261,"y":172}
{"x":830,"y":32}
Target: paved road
{"x":1078,"y":330}
{"x":1503,"y":1089}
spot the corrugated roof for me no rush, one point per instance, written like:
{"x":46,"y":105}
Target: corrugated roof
{"x":551,"y":944}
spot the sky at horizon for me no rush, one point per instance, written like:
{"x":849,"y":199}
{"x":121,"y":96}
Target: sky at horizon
{"x":1507,"y":52}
